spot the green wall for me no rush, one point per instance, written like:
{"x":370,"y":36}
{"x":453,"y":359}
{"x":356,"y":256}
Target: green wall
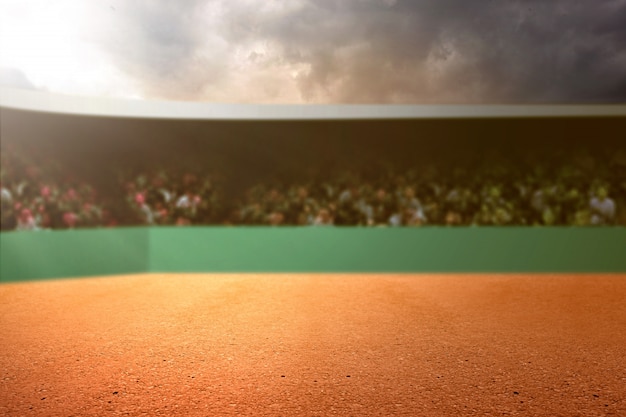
{"x":72,"y":253}
{"x":25,"y":256}
{"x":388,"y":250}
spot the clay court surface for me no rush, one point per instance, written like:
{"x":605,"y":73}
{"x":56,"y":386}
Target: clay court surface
{"x":314,"y":345}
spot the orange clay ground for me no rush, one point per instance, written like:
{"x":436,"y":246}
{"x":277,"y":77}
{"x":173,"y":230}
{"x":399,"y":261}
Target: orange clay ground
{"x":314,"y":345}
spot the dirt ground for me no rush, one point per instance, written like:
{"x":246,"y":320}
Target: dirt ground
{"x":314,"y":345}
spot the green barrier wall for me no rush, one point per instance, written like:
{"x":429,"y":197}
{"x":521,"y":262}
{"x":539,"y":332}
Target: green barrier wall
{"x":388,"y":250}
{"x":25,"y":256}
{"x":72,"y":253}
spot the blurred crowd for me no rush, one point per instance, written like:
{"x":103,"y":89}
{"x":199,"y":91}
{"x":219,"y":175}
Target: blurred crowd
{"x":493,"y":190}
{"x":39,"y":193}
{"x":171,"y":197}
{"x":486,"y":195}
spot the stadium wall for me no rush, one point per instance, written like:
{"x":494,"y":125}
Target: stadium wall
{"x":388,"y":250}
{"x":65,"y":254}
{"x":72,"y":253}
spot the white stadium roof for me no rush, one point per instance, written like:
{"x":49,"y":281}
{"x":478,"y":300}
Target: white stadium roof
{"x":32,"y":100}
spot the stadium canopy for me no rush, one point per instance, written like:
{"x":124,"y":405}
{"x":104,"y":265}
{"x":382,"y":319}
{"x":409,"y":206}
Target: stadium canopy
{"x":32,"y":100}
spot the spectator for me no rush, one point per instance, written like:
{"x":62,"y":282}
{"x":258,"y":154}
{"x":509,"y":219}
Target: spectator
{"x":143,"y":209}
{"x":26,"y":221}
{"x":602,"y":208}
{"x":453,"y":218}
{"x":160,"y":213}
{"x":323,"y":218}
{"x":276,"y":218}
{"x":182,"y":221}
{"x":382,"y":208}
{"x":5,"y":195}
{"x":406,"y":216}
{"x":70,"y":220}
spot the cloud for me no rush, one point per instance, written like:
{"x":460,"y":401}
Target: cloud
{"x":451,"y":51}
{"x":366,"y":51}
{"x":13,"y":77}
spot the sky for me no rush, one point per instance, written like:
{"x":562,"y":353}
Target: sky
{"x":319,"y":51}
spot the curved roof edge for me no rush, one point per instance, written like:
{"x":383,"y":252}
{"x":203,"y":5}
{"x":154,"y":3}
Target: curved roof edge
{"x":111,"y":107}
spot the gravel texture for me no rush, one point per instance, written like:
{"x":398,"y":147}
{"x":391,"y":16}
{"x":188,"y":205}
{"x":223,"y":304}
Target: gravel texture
{"x":314,"y":345}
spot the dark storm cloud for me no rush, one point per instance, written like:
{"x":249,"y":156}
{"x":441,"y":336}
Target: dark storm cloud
{"x":377,"y":51}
